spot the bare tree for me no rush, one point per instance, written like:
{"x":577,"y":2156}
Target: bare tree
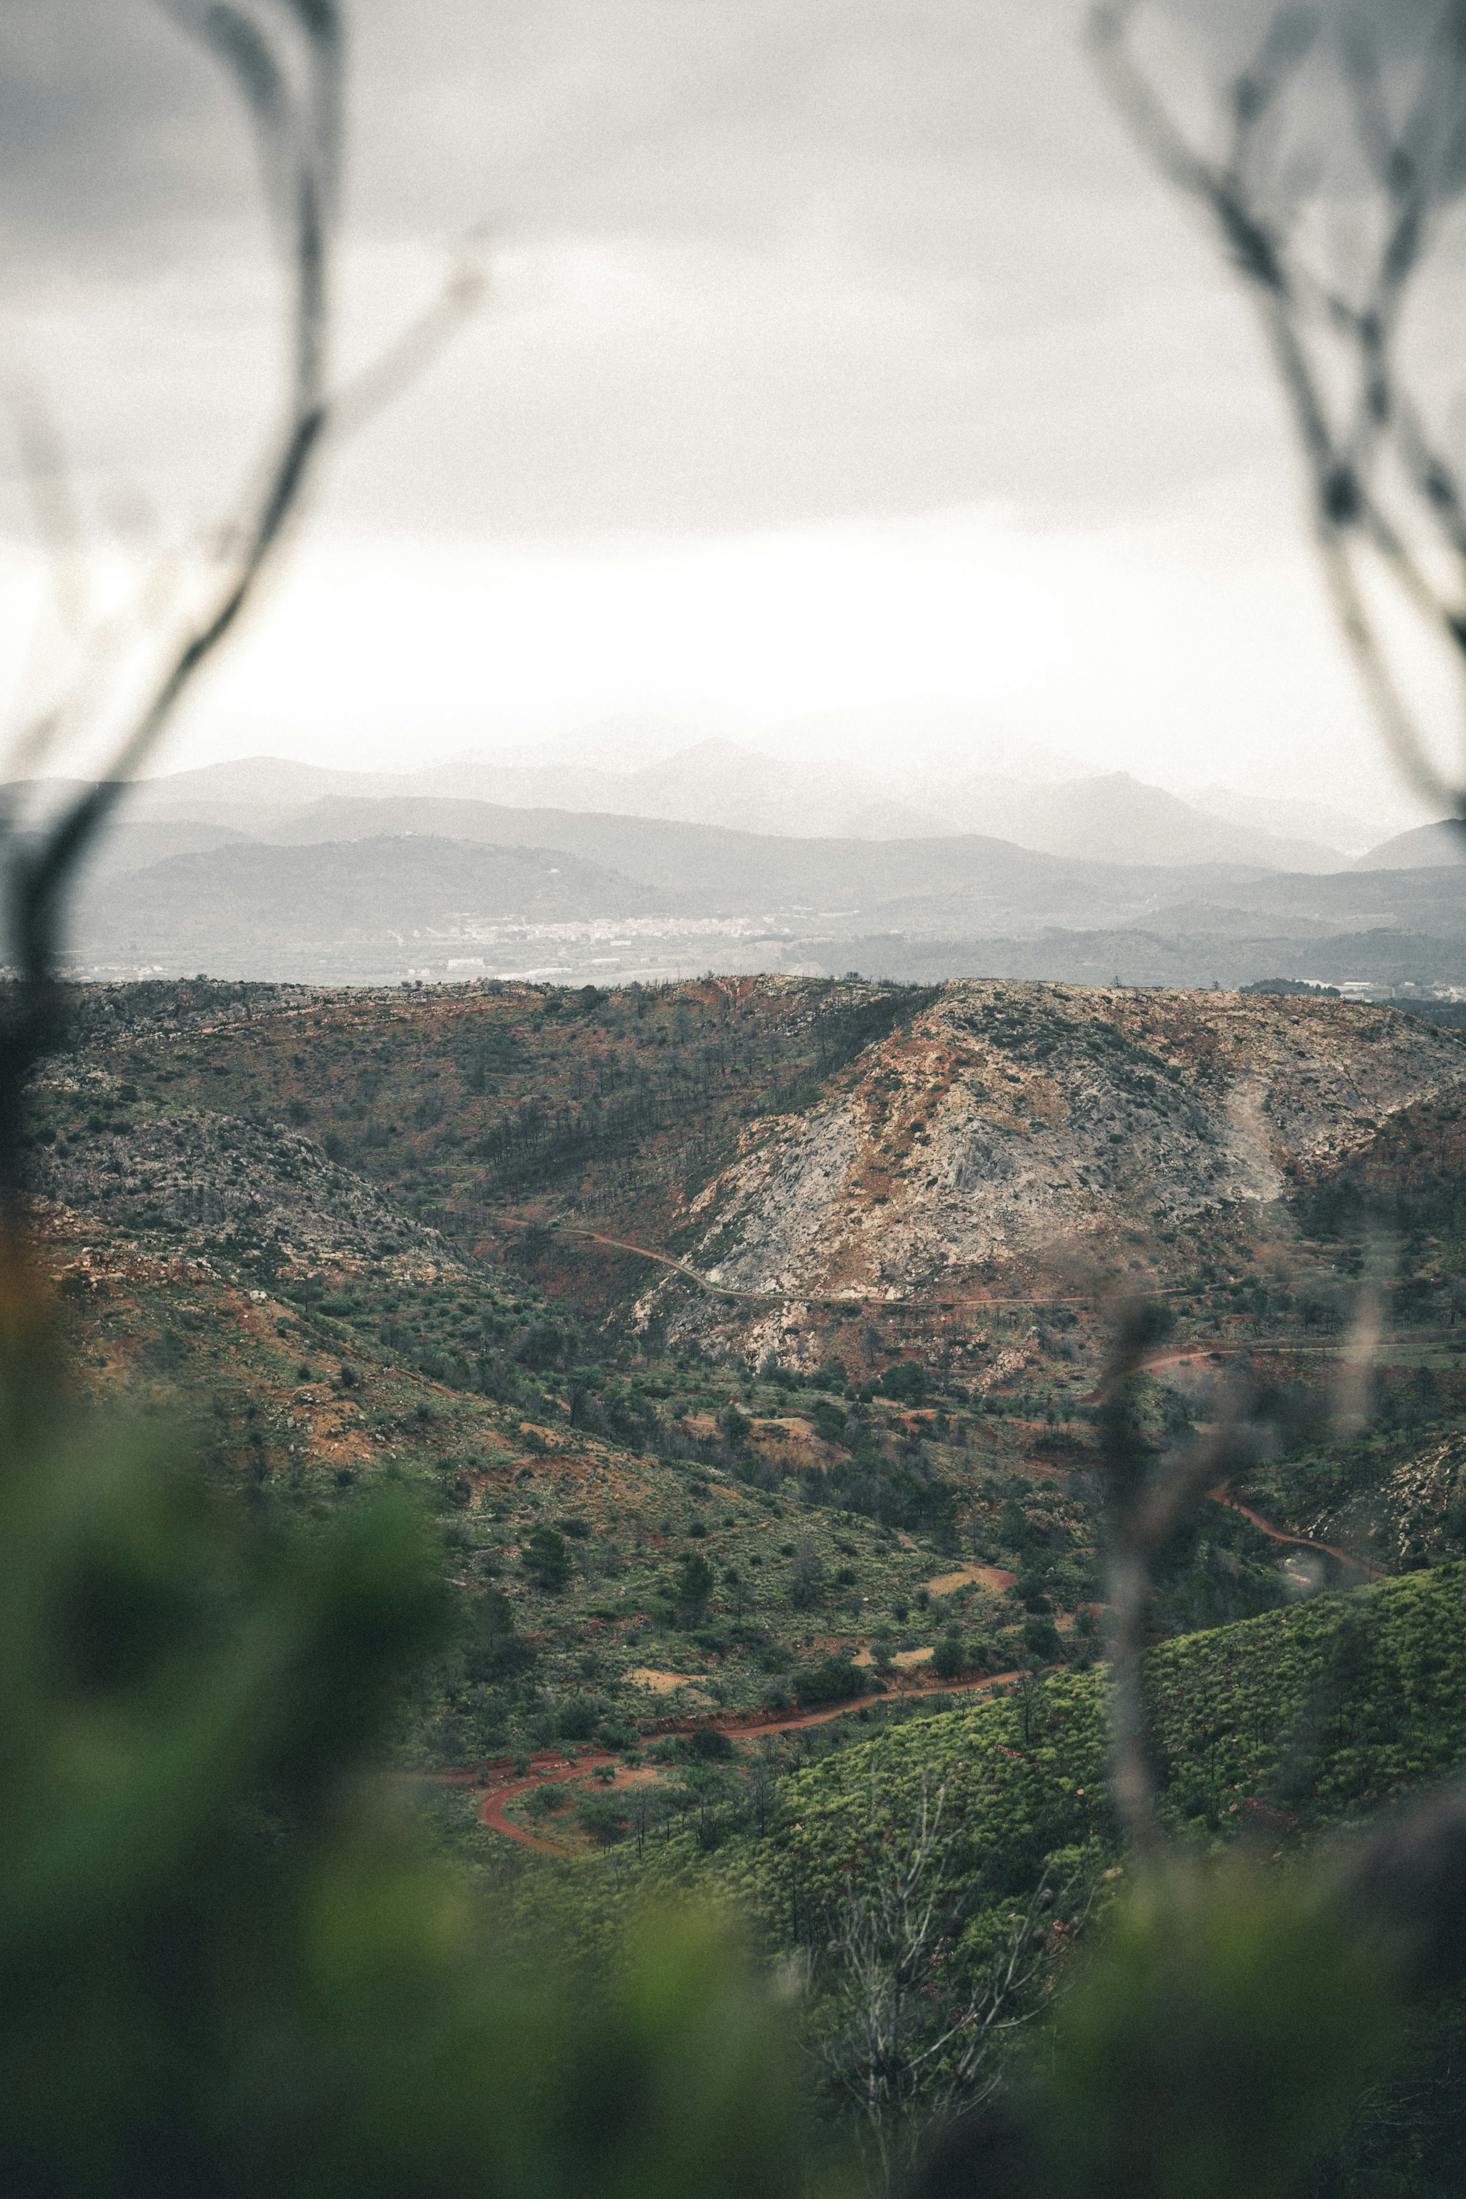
{"x":908,"y":2051}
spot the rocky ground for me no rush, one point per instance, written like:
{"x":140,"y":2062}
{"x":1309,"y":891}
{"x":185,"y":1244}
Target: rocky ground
{"x":230,"y":1186}
{"x":1036,"y":1129}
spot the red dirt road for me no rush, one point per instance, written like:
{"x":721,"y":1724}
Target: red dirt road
{"x":544,"y":1771}
{"x":503,"y":1784}
{"x":552,"y":1768}
{"x":1224,"y":1495}
{"x":1231,"y":1347}
{"x":838,"y":1303}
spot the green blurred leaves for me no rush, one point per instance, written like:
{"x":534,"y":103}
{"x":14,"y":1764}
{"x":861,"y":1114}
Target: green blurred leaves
{"x":229,"y":1964}
{"x":1219,"y":2040}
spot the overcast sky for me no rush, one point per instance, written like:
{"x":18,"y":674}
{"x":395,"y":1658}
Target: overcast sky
{"x":839,"y":352}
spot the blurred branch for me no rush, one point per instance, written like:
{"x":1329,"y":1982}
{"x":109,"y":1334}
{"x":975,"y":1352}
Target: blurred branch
{"x":299,"y":142}
{"x":61,"y":534}
{"x":418,"y":346}
{"x":1146,"y":1506}
{"x":1385,"y":499}
{"x":285,"y":58}
{"x":54,"y":506}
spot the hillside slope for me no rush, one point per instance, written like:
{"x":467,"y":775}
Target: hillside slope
{"x":803,"y":1140}
{"x":249,"y":899}
{"x":1013,"y":1124}
{"x":1269,"y":1729}
{"x":263,"y":1194}
{"x":1424,"y":847}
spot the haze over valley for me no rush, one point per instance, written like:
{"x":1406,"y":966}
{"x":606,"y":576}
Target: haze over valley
{"x":605,"y":867}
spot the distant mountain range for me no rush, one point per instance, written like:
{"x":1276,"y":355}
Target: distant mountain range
{"x":1428,"y":847}
{"x":274,"y":869}
{"x":639,"y":769}
{"x":271,"y":867}
{"x":1339,"y":829}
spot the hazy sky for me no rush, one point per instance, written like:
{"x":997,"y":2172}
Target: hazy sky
{"x":839,"y":352}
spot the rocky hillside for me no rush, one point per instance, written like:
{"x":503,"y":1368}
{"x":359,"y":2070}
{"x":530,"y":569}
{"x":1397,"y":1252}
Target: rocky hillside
{"x":1015,"y":1128}
{"x":245,"y":1190}
{"x":1417,"y":1511}
{"x":401,"y":1232}
{"x":794,"y":1140}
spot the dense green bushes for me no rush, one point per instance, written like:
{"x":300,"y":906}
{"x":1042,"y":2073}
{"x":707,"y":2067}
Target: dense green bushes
{"x":833,"y":1680}
{"x":229,"y":1967}
{"x":1298,"y":1717}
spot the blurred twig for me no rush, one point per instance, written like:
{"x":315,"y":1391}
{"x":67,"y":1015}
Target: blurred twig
{"x":286,"y":59}
{"x":1147,"y":1502}
{"x":1387,"y":502}
{"x":297,"y":125}
{"x":54,"y":506}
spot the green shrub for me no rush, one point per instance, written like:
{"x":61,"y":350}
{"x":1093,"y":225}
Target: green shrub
{"x":546,"y":1559}
{"x":230,"y":1966}
{"x":833,"y":1680}
{"x":905,"y":1382}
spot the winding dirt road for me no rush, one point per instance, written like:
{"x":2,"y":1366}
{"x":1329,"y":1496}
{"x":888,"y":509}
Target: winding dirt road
{"x":503,"y":1784}
{"x":1351,"y":1564}
{"x":832,"y":1303}
{"x":552,"y":1768}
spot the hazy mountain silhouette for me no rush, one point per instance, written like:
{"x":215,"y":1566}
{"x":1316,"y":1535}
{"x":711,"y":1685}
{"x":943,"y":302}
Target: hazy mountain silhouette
{"x":1426,"y":847}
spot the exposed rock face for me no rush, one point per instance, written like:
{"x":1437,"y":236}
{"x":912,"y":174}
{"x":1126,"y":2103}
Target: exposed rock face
{"x":1412,"y":1513}
{"x":223,"y":1184}
{"x":1019,"y":1124}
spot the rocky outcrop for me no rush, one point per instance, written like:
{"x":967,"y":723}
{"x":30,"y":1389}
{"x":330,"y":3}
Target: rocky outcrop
{"x":1023,"y":1125}
{"x":232,"y":1187}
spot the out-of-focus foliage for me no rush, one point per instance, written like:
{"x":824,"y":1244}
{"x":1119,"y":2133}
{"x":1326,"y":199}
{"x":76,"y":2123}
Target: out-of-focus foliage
{"x":1242,"y":1995}
{"x":1217,"y":2043}
{"x":230,"y":1968}
{"x":229,"y":1965}
{"x":1272,"y":1731}
{"x":1238,"y":1998}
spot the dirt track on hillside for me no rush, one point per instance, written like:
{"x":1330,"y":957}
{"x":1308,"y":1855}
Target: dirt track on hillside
{"x":1223,"y":1495}
{"x":552,"y":1768}
{"x":829,"y":1302}
{"x":1231,"y":1347}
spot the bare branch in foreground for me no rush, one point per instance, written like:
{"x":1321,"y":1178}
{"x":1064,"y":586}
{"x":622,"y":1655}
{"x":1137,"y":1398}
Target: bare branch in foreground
{"x":301,"y":153}
{"x":1387,"y":505}
{"x":289,"y":73}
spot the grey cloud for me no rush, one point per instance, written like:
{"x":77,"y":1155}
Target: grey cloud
{"x":112,"y":126}
{"x":910,"y":261}
{"x":1238,"y":29}
{"x":673,"y":116}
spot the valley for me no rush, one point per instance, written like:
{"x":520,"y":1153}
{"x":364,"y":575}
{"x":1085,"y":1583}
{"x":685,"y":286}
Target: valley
{"x":264,"y":870}
{"x":742,"y":1336}
{"x":745,"y":1345}
{"x":732,"y":1103}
